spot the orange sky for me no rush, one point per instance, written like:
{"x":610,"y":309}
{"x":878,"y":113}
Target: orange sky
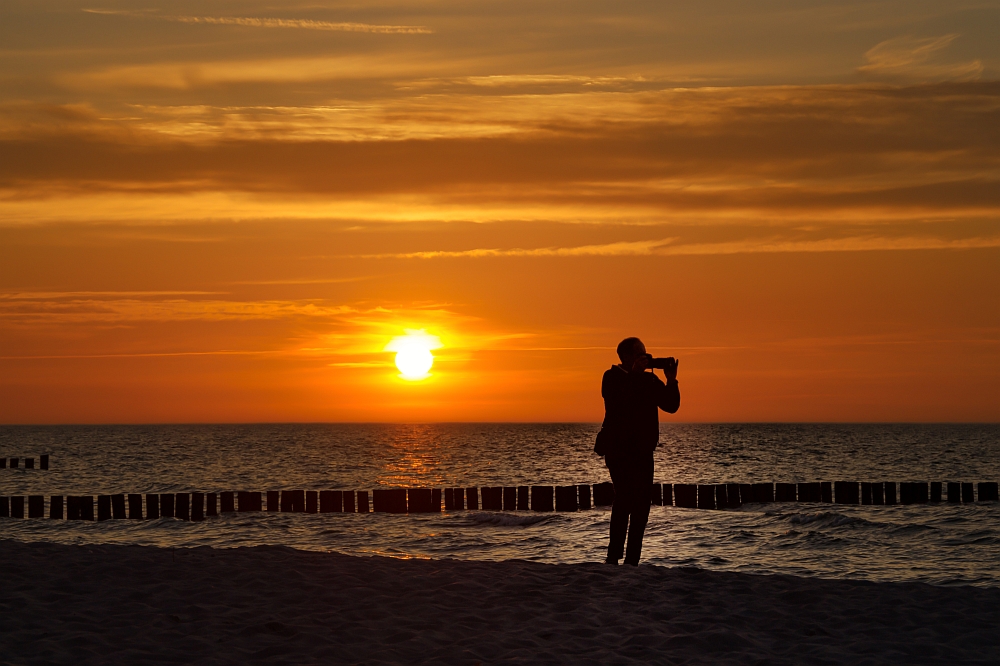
{"x":224,"y":211}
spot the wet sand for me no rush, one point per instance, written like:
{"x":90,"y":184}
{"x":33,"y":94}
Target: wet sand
{"x":140,"y":605}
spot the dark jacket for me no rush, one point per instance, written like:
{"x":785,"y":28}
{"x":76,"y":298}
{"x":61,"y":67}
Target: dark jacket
{"x":631,"y":419}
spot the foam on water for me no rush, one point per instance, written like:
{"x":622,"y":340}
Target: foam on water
{"x":937,"y":543}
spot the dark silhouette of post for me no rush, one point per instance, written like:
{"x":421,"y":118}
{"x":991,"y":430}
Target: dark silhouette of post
{"x":523,"y":500}
{"x":784,"y":492}
{"x":878,"y":493}
{"x":492,"y":498}
{"x":510,"y":499}
{"x":331,"y":501}
{"x":810,"y":492}
{"x":721,"y":496}
{"x":86,"y":504}
{"x":566,"y":498}
{"x":118,"y":507}
{"x":541,"y":498}
{"x":197,"y":506}
{"x":656,"y":495}
{"x":604,"y":494}
{"x":167,"y":505}
{"x":763,"y":493}
{"x":56,"y":507}
{"x":668,"y":494}
{"x":248,"y":501}
{"x":420,"y":500}
{"x":135,"y":506}
{"x":732,"y":492}
{"x":686,"y":495}
{"x":183,"y":506}
{"x":913,"y":492}
{"x":152,"y":506}
{"x":104,"y":507}
{"x":847,"y":492}
{"x":72,"y":507}
{"x":706,"y":496}
{"x":293,"y":501}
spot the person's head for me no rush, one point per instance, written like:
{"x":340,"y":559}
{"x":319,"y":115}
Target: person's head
{"x":632,"y":353}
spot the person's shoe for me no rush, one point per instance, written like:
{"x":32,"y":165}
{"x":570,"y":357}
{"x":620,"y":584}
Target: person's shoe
{"x":631,"y":564}
{"x":611,"y":561}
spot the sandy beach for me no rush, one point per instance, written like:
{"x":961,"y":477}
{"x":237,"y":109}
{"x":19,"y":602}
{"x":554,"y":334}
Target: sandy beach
{"x":138,"y":605}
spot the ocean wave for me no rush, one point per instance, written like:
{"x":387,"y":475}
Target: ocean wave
{"x":508,"y":519}
{"x":826,"y":519}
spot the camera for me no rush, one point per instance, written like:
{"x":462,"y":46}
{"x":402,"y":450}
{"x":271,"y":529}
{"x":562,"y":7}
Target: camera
{"x":662,"y":363}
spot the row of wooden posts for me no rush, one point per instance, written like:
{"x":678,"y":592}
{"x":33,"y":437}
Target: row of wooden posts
{"x":197,"y":506}
{"x":29,"y":463}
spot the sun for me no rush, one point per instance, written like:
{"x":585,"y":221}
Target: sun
{"x":413,"y":353}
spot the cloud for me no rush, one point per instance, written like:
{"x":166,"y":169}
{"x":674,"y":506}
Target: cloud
{"x":34,"y":308}
{"x":191,"y":75}
{"x":918,"y":59}
{"x":304,"y":24}
{"x":670,"y":247}
{"x":216,"y":352}
{"x":331,"y":328}
{"x":872,"y":163}
{"x":623,"y":248}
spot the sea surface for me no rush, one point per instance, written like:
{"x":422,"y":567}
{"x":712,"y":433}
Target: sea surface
{"x":944,"y":544}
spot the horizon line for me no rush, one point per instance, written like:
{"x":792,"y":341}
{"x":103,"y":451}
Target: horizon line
{"x":405,"y":423}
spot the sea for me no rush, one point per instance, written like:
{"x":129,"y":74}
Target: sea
{"x":937,"y":543}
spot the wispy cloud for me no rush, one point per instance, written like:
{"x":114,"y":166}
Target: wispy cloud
{"x":669,"y":247}
{"x":918,"y":58}
{"x":108,"y":307}
{"x":218,"y":352}
{"x":624,"y":248}
{"x":255,"y":22}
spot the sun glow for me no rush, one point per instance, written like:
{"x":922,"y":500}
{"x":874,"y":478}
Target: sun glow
{"x":413,"y":353}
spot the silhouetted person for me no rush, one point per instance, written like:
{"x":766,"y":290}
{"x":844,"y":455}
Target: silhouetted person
{"x":629,"y":435}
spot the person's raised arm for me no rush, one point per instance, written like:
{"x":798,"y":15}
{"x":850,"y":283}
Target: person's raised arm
{"x":670,"y":395}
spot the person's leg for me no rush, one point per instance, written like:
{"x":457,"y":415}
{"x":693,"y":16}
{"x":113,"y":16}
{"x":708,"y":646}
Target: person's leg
{"x":641,"y":475}
{"x":619,"y":511}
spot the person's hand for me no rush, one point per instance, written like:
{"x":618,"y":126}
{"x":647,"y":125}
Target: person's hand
{"x":671,"y":370}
